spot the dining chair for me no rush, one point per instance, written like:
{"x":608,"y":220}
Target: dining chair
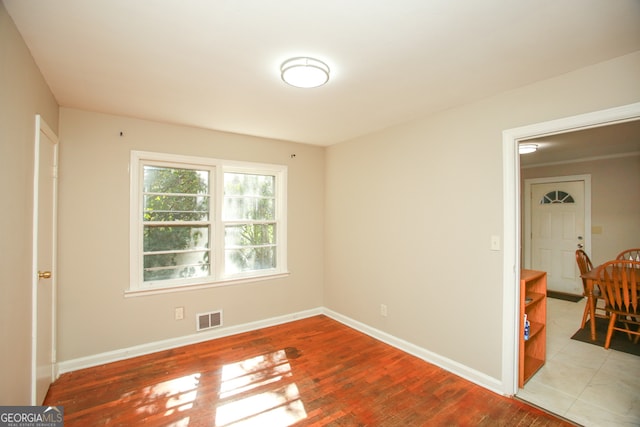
{"x":618,"y":281}
{"x":585,"y":266}
{"x":630,"y":254}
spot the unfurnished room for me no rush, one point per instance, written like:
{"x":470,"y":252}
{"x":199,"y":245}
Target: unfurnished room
{"x":304,"y":213}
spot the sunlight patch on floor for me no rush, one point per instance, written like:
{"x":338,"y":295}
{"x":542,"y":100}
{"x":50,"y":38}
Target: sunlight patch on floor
{"x":178,"y":395}
{"x":258,"y":392}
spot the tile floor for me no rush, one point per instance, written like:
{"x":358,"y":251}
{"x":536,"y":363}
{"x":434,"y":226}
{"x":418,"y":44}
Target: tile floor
{"x":582,"y":382}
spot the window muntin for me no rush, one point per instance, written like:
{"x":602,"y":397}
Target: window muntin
{"x":180,"y":237}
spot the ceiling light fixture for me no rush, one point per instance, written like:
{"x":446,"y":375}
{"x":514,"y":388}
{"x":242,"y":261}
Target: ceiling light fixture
{"x":527,"y":148}
{"x":304,"y":72}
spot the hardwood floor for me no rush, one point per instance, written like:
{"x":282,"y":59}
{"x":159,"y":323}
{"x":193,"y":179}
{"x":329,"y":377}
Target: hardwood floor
{"x":314,"y":371}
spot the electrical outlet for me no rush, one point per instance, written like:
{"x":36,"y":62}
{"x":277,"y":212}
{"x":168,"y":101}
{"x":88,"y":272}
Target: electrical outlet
{"x":383,"y":310}
{"x":179,"y":313}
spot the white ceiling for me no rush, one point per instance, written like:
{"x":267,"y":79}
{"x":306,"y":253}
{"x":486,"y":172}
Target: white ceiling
{"x":215,"y":63}
{"x":594,"y":143}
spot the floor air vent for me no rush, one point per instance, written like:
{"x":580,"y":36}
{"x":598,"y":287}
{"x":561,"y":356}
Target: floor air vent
{"x":209,"y":320}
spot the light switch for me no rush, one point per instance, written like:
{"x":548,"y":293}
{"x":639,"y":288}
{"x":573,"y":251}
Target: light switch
{"x":495,"y":243}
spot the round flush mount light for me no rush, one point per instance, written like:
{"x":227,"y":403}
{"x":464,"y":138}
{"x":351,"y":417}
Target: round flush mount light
{"x":304,"y":72}
{"x":527,"y":148}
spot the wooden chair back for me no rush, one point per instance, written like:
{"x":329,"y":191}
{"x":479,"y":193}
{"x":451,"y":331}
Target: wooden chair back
{"x":584,"y":263}
{"x":630,"y":254}
{"x":619,"y":285}
{"x":585,"y":266}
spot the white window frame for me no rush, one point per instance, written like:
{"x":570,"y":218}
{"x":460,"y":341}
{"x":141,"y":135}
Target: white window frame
{"x":217,"y":275}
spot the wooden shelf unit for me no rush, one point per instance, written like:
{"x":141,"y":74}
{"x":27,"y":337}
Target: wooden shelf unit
{"x":533,"y":302}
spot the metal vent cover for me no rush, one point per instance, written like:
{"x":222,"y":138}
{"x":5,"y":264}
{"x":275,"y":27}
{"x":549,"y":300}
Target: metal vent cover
{"x":212,"y":319}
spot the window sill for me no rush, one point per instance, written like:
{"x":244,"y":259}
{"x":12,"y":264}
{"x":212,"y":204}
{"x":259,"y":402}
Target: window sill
{"x":129,"y":293}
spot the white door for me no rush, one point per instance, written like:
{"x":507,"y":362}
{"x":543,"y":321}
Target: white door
{"x":557,"y":230}
{"x":44,"y":261}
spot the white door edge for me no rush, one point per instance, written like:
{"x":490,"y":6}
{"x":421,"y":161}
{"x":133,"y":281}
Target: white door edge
{"x":511,"y":215}
{"x":42,"y":127}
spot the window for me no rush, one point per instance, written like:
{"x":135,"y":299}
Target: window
{"x":556,"y":197}
{"x":204,"y":222}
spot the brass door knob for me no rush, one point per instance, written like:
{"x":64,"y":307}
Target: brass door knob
{"x":44,"y":275}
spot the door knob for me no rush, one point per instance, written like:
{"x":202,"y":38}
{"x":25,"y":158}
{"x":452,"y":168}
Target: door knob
{"x":580,"y":246}
{"x":44,"y":275}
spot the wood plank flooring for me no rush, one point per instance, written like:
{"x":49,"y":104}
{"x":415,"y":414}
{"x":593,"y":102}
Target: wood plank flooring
{"x":311,"y":372}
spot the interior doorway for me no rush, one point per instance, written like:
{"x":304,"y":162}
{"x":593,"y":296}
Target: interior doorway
{"x":512,"y":219}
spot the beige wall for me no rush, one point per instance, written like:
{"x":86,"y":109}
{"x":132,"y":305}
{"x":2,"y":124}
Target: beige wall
{"x":615,"y":201}
{"x":95,"y":317}
{"x":23,"y":93}
{"x":410,"y":212}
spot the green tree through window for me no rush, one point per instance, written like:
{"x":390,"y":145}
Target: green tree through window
{"x":175,"y":215}
{"x":250,"y":227}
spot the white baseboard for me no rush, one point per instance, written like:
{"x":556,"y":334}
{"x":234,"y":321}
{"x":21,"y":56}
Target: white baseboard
{"x":141,"y":350}
{"x":449,"y":365}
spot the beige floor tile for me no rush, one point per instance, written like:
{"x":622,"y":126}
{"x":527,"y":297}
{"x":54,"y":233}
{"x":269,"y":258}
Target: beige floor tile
{"x":565,"y":376}
{"x":582,"y":382}
{"x":546,"y":397}
{"x":593,"y":416}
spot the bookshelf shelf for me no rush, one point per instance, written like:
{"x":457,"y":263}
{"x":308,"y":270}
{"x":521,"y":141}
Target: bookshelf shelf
{"x":533,"y":303}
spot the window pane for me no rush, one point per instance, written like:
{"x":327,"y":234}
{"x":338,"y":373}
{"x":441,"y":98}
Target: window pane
{"x":176,"y":265}
{"x":248,"y":196}
{"x":248,"y":259}
{"x":175,"y":238}
{"x":158,"y":207}
{"x":248,"y":208}
{"x":242,"y":184}
{"x":158,"y":179}
{"x":249,"y":235}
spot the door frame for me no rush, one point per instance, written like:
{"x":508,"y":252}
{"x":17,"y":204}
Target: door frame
{"x":511,"y":220}
{"x":586,"y":178}
{"x":42,"y":127}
